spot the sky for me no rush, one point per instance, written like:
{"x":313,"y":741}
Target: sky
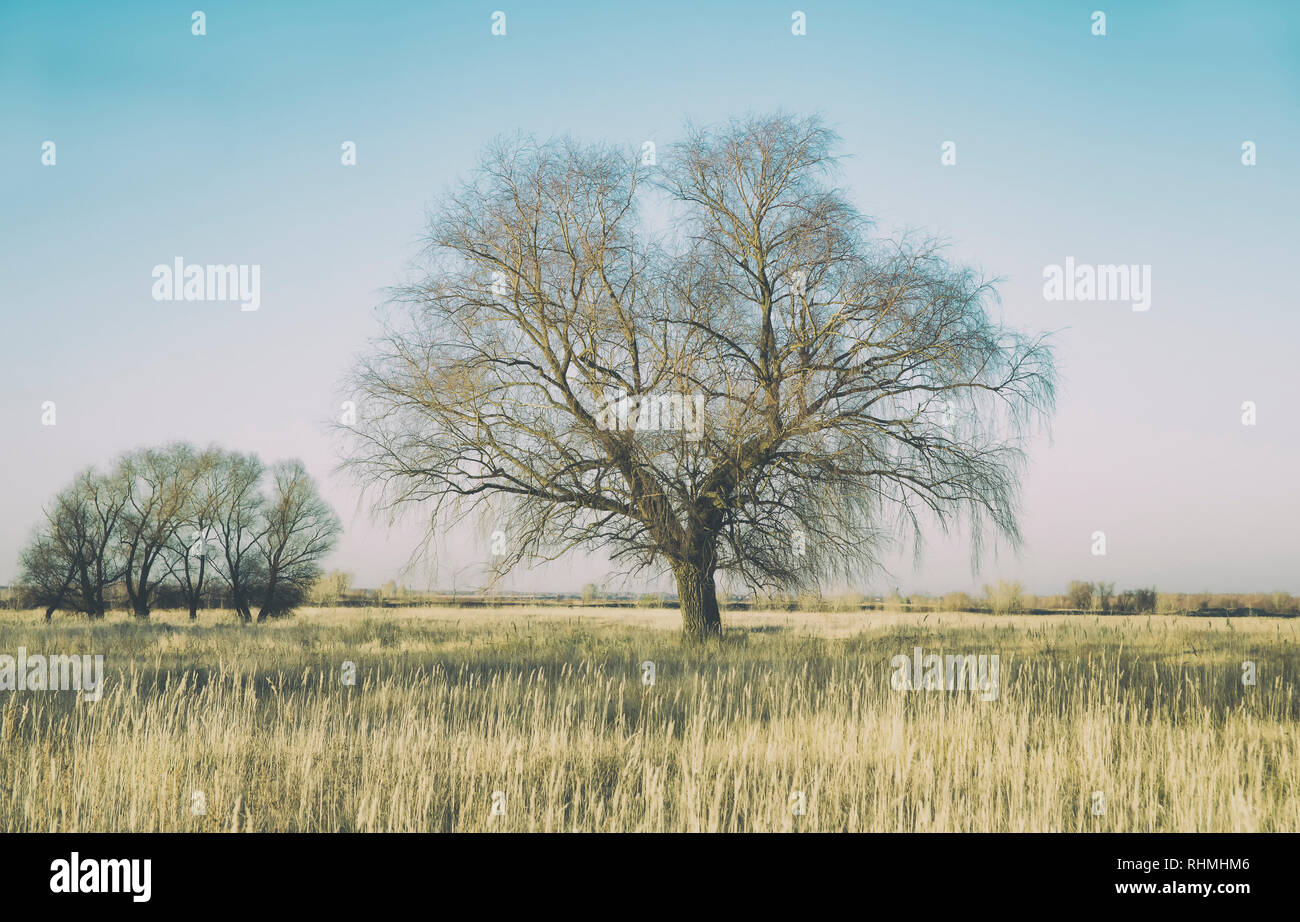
{"x":1124,"y":148}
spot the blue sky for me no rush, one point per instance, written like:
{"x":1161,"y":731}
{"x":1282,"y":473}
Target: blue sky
{"x":224,"y":148}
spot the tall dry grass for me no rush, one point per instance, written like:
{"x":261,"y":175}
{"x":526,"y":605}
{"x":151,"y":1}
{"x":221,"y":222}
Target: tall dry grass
{"x":549,"y":709}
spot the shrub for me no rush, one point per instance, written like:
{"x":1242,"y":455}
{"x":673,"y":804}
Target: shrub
{"x":958,"y":601}
{"x":1005,"y":597}
{"x":848,"y":601}
{"x":812,"y":601}
{"x":1079,"y":595}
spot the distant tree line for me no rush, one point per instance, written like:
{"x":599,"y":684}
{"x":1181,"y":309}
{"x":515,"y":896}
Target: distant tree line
{"x":163,"y":523}
{"x":1009,"y":598}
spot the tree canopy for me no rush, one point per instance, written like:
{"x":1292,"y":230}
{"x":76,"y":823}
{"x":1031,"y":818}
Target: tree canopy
{"x":171,"y":515}
{"x":766,"y":388}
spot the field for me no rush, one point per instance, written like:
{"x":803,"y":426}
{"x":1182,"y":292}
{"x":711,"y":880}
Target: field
{"x":1100,"y":723}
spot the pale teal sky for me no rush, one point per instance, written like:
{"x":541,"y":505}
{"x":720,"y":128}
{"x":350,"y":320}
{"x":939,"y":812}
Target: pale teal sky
{"x":224,"y":148}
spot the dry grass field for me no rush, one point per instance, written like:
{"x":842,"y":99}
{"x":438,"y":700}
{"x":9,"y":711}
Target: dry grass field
{"x":547,"y":707}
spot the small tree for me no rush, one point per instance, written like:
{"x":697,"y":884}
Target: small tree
{"x":239,"y":524}
{"x":958,"y":601}
{"x":187,"y":552}
{"x":82,"y":530}
{"x":45,"y":574}
{"x":300,"y":529}
{"x":1005,"y":597}
{"x":156,"y":484}
{"x":1079,"y":595}
{"x":331,"y":587}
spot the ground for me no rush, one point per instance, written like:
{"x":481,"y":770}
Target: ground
{"x":539,"y":719}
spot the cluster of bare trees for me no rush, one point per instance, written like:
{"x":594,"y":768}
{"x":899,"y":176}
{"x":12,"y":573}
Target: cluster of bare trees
{"x":851,"y":385}
{"x":178,"y":516}
{"x":1100,"y":596}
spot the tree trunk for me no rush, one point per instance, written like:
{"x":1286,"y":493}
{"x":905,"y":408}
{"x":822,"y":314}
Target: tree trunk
{"x":140,"y":594}
{"x":241,"y":607}
{"x":197,"y":594}
{"x":263,"y":611}
{"x":699,"y":601}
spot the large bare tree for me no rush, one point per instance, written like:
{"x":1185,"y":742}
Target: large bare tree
{"x":759,"y":387}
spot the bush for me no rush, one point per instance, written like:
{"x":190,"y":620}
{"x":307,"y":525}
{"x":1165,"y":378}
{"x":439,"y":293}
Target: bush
{"x":848,"y":601}
{"x":1005,"y":598}
{"x":1079,"y":595}
{"x":958,"y":601}
{"x":812,"y":601}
